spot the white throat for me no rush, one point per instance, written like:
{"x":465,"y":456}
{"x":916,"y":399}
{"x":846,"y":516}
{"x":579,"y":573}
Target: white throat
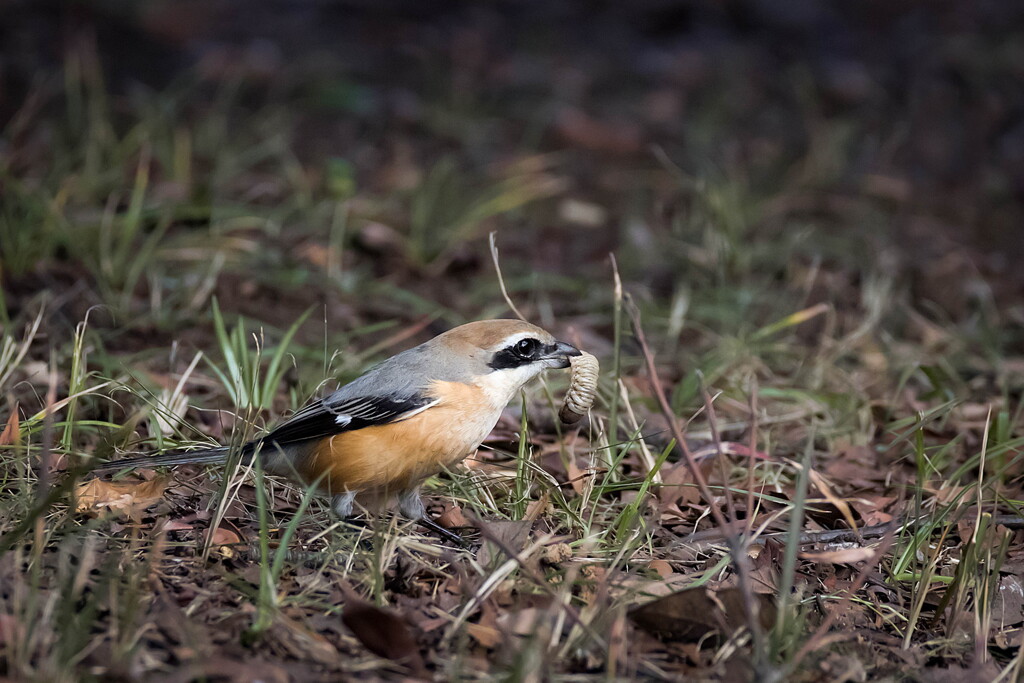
{"x":501,"y":386}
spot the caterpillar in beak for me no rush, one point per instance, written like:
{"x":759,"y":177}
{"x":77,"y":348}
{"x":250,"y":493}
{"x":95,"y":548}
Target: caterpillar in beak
{"x":582,"y":388}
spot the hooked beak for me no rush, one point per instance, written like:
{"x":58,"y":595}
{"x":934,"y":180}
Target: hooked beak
{"x":557,"y":355}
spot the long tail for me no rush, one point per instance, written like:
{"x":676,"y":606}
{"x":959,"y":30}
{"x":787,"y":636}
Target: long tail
{"x":200,"y":456}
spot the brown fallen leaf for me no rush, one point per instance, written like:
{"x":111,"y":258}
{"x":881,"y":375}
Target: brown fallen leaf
{"x":577,"y":477}
{"x":382,"y":632}
{"x":677,"y":488}
{"x":177,"y":525}
{"x":663,"y":568}
{"x":858,"y":467}
{"x":502,"y":535}
{"x":841,"y":556}
{"x":693,"y":614}
{"x":303,"y":643}
{"x":319,"y":255}
{"x":12,"y":432}
{"x":764,"y":578}
{"x":453,"y":518}
{"x":130,"y":498}
{"x":871,"y":508}
{"x":1010,"y":637}
{"x":536,"y":508}
{"x":822,"y":485}
{"x":222,"y":536}
{"x":485,"y":635}
{"x":1008,"y":606}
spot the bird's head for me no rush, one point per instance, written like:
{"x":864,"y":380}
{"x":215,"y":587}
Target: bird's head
{"x":506,"y":354}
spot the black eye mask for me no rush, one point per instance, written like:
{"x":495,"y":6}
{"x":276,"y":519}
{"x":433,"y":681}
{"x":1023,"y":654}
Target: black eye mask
{"x":529,"y":350}
{"x":523,"y":352}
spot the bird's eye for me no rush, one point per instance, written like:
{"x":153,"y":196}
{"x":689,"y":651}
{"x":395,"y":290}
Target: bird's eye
{"x":526,"y":348}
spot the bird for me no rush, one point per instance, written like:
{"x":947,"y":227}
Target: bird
{"x":408,"y":418}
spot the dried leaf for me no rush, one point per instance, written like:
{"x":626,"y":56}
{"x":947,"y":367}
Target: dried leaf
{"x":128,"y":498}
{"x":842,"y":556}
{"x":663,"y":568}
{"x":839,"y":503}
{"x":382,"y":632}
{"x":536,"y":508}
{"x":871,"y":508}
{"x":12,"y":432}
{"x":304,"y":643}
{"x":177,"y":525}
{"x":857,"y":466}
{"x":485,"y":635}
{"x":677,"y":487}
{"x":511,"y":535}
{"x":222,"y":536}
{"x":577,"y":477}
{"x":319,"y":255}
{"x":693,"y":614}
{"x":453,"y":518}
{"x":764,"y":579}
{"x":1008,"y":606}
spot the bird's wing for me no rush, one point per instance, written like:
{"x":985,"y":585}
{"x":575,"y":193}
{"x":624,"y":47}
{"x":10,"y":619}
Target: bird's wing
{"x":387,"y":393}
{"x":336,"y":414}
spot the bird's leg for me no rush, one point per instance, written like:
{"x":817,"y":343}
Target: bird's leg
{"x":411,"y":505}
{"x":342,"y":504}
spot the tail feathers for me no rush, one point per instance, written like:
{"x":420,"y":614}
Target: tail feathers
{"x":202,"y":456}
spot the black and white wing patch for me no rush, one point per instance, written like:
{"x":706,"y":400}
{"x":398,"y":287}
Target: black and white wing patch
{"x":324,"y":417}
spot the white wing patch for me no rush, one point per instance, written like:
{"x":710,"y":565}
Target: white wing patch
{"x":369,"y":413}
{"x":420,"y":409}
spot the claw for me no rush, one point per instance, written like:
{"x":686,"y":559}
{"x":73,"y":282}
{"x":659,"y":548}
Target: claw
{"x":446,"y":534}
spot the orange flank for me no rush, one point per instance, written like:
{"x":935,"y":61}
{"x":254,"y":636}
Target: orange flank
{"x":387,"y":458}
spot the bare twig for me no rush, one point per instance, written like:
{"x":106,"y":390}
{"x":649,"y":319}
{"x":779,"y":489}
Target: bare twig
{"x":666,"y":409}
{"x":750,"y":606}
{"x":44,"y":476}
{"x":737,"y":546}
{"x":751,"y":458}
{"x":851,"y":535}
{"x":492,"y":240}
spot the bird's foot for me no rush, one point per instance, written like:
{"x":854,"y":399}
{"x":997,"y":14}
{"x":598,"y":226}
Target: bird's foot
{"x":342,"y":504}
{"x":411,"y":505}
{"x":446,"y":534}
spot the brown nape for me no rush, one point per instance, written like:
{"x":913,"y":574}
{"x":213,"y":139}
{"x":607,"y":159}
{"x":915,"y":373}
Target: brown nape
{"x":487,"y":334}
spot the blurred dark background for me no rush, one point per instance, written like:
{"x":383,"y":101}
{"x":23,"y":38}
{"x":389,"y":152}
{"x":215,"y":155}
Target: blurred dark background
{"x":709,"y":141}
